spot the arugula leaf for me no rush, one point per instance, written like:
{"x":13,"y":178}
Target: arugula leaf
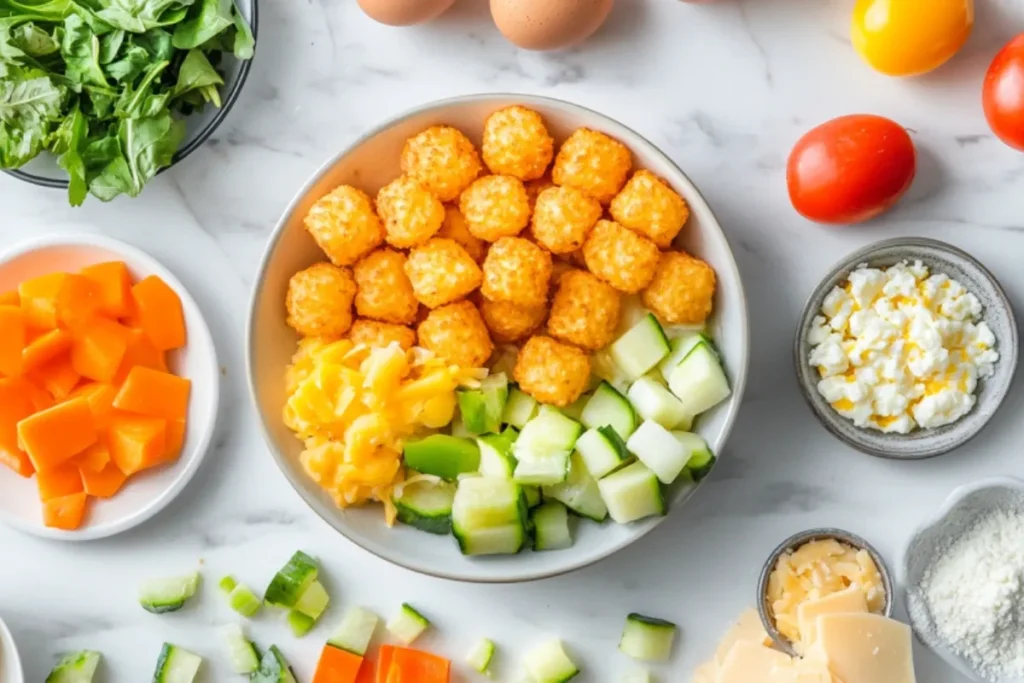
{"x":68,"y":143}
{"x":101,"y":101}
{"x":81,"y":50}
{"x":30,"y":103}
{"x":245,"y":42}
{"x":138,"y":16}
{"x":145,"y":146}
{"x":196,"y":73}
{"x":205,"y":20}
{"x":136,"y":100}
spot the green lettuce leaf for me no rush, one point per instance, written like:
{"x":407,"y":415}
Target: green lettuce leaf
{"x":139,"y":16}
{"x":30,"y":106}
{"x":144,"y":147}
{"x":206,"y":19}
{"x":81,"y":50}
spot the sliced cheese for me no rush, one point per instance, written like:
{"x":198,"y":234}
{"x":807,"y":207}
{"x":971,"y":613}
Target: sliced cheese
{"x":748,"y":628}
{"x":866,"y":648}
{"x":705,"y":673}
{"x":811,"y":671}
{"x":850,"y":600}
{"x":749,"y":662}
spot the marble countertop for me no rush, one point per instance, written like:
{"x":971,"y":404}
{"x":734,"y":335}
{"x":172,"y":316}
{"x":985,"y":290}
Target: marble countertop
{"x":725,"y":90}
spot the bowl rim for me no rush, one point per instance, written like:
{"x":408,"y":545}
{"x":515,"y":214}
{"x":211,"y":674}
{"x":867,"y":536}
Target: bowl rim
{"x":10,"y":660}
{"x":227,"y":104}
{"x":199,"y":336}
{"x":738,"y":374}
{"x":1008,"y":347}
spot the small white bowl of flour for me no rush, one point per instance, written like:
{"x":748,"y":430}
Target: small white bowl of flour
{"x":964,"y":575}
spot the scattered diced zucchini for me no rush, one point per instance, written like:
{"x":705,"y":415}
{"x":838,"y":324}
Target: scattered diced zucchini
{"x":168,"y":595}
{"x":74,"y":667}
{"x":496,"y":459}
{"x":641,"y":348}
{"x":227,"y":584}
{"x":274,"y":668}
{"x":408,"y":624}
{"x":442,"y":456}
{"x":300,"y":623}
{"x":656,"y":403}
{"x":680,"y":347}
{"x":313,"y":601}
{"x":550,"y":522}
{"x":291,"y":582}
{"x":242,"y":654}
{"x":427,"y":506}
{"x":242,"y":600}
{"x":532,"y":495}
{"x":632,"y":493}
{"x":699,"y":381}
{"x":657,"y":448}
{"x":548,"y":663}
{"x":482,"y":408}
{"x":355,"y":631}
{"x":602,"y":450}
{"x":481,"y":655}
{"x":176,"y":665}
{"x":609,"y":408}
{"x":701,"y":457}
{"x":579,"y":492}
{"x":647,"y":639}
{"x":489,"y":516}
{"x":519,"y":409}
{"x":543,"y":447}
{"x":506,"y":539}
{"x":574,"y":410}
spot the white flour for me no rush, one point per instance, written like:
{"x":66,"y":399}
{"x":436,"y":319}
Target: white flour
{"x":975,"y":593}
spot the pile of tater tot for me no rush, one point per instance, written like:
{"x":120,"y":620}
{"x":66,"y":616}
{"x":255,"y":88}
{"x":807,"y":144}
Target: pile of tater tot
{"x":509,"y":244}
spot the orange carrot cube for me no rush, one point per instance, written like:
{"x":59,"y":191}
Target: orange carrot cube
{"x":337,"y":666}
{"x":65,"y":513}
{"x":417,"y":666}
{"x":53,"y":436}
{"x":78,"y":302}
{"x":115,"y":287}
{"x":105,"y":483}
{"x":58,"y":377}
{"x":140,"y":351}
{"x":137,"y":442}
{"x":175,"y":440}
{"x":12,"y":340}
{"x":154,"y":393}
{"x":38,"y":298}
{"x":99,"y":348}
{"x":100,"y":397}
{"x":15,"y":405}
{"x":94,"y":458}
{"x":41,"y":399}
{"x":160,"y":313}
{"x":44,"y":348}
{"x":59,"y":482}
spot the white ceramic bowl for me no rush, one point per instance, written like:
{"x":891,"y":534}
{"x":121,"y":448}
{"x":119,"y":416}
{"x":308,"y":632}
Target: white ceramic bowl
{"x":147,"y":493}
{"x":370,"y":163}
{"x":10,"y":664}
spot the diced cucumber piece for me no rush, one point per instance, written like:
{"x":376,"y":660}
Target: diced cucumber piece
{"x":608,"y":408}
{"x":699,"y":381}
{"x":532,"y":495}
{"x":507,"y":539}
{"x":657,"y":448}
{"x":602,"y":450}
{"x":681,"y":346}
{"x":542,"y":470}
{"x":483,"y":502}
{"x":291,"y":582}
{"x":604,"y":368}
{"x":75,"y":667}
{"x":548,"y":663}
{"x":408,"y":624}
{"x":244,"y":601}
{"x":647,"y":639}
{"x":313,"y":601}
{"x":442,"y":455}
{"x":176,"y":665}
{"x":496,"y":459}
{"x":481,"y":655}
{"x":482,"y":408}
{"x":543,"y":447}
{"x":550,"y":526}
{"x":300,"y":623}
{"x":427,"y":505}
{"x":638,"y":676}
{"x":274,"y":668}
{"x":641,"y":348}
{"x":579,"y":492}
{"x":519,"y":409}
{"x":355,"y":631}
{"x":242,"y":654}
{"x":574,"y":410}
{"x":654,"y":402}
{"x":227,"y":584}
{"x":701,"y":457}
{"x":167,"y":595}
{"x":632,"y":493}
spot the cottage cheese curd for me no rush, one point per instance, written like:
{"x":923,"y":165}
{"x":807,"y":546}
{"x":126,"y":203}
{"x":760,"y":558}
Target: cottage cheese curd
{"x":901,"y":348}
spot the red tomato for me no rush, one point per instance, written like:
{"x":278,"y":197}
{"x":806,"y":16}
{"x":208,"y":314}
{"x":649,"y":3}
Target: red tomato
{"x":850,"y":169}
{"x":1003,"y":94}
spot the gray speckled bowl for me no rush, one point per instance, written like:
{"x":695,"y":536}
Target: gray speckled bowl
{"x":998,"y":313}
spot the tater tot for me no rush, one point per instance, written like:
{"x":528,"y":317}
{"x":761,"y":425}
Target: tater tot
{"x":620,"y":257}
{"x":441,"y":159}
{"x":509,"y":322}
{"x":495,"y":206}
{"x":650,"y":207}
{"x":384,"y":291}
{"x":411,"y":214}
{"x":378,"y":335}
{"x":441,"y":271}
{"x":552,"y":372}
{"x":517,"y":143}
{"x":457,"y":333}
{"x":585,"y":311}
{"x":319,"y":301}
{"x":594,"y":163}
{"x":682,"y":291}
{"x":562,"y":218}
{"x":535,"y":187}
{"x":518,"y":271}
{"x":455,"y":228}
{"x":344,"y":224}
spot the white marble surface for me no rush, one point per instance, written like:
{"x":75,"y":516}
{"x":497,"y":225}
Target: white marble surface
{"x":724,"y":89}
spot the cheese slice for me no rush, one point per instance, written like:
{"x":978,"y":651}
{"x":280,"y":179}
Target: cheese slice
{"x":866,"y":648}
{"x":845,"y":601}
{"x":811,"y":671}
{"x":748,"y":628}
{"x":705,"y":673}
{"x":749,"y":662}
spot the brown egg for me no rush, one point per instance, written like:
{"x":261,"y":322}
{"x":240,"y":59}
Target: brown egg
{"x":404,"y":12}
{"x":549,"y":24}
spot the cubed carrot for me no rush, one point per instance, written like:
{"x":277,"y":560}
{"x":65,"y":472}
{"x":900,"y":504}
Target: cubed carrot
{"x":44,"y":348}
{"x":78,"y":302}
{"x":38,"y":298}
{"x":175,"y":440}
{"x":94,"y":458}
{"x":59,"y":482}
{"x":337,"y":666}
{"x":367,"y":671}
{"x":41,"y":398}
{"x":160,"y":313}
{"x":99,"y":348}
{"x":137,"y":442}
{"x":12,"y":340}
{"x":65,"y":513}
{"x":10,"y":298}
{"x":384,"y":657}
{"x":58,"y":377}
{"x":100,"y":397}
{"x":115,"y":287}
{"x":15,"y":405}
{"x":154,"y":393}
{"x":53,"y":436}
{"x":417,"y":666}
{"x":104,"y":484}
{"x":140,"y":351}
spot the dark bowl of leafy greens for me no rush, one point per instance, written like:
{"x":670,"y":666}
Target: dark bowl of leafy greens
{"x":98,"y":96}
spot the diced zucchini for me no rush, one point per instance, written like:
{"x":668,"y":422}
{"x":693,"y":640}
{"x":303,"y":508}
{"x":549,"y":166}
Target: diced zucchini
{"x":313,"y":601}
{"x":168,"y":595}
{"x":274,"y":668}
{"x":548,"y":663}
{"x":608,"y":408}
{"x":641,"y":348}
{"x":427,"y":505}
{"x":227,"y":584}
{"x":507,"y":539}
{"x":579,"y":492}
{"x":681,"y":346}
{"x":482,"y":408}
{"x":657,"y":448}
{"x":481,"y":655}
{"x":550,"y":526}
{"x":701,"y":457}
{"x":532,"y":495}
{"x":300,"y":623}
{"x":408,"y":624}
{"x":482,"y":502}
{"x":602,"y":450}
{"x":574,"y":410}
{"x":442,"y":456}
{"x":242,"y":654}
{"x":519,"y":409}
{"x":176,"y":665}
{"x":244,"y":601}
{"x":604,"y":368}
{"x":647,"y":639}
{"x":632,"y":493}
{"x":543,"y":447}
{"x":654,"y":402}
{"x":496,"y":459}
{"x":699,"y":381}
{"x":355,"y":631}
{"x":75,"y":667}
{"x":291,"y":582}
{"x":542,"y":470}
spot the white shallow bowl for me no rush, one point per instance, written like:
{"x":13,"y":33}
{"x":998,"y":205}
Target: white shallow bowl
{"x":147,"y":493}
{"x":10,"y":663}
{"x":960,"y":510}
{"x":372,"y":162}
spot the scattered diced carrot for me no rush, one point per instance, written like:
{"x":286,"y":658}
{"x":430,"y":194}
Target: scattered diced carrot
{"x":154,"y":393}
{"x":105,"y":483}
{"x":15,"y":405}
{"x":416,"y":666}
{"x":367,"y":671}
{"x":55,"y":435}
{"x":78,"y":302}
{"x":160,"y":313}
{"x":17,"y":460}
{"x":94,"y":458}
{"x":59,"y":482}
{"x":100,"y":397}
{"x":99,"y":348}
{"x":337,"y":666}
{"x":12,"y":340}
{"x":65,"y":513}
{"x":41,"y":399}
{"x":10,"y":298}
{"x":384,"y":657}
{"x":137,"y":442}
{"x":44,"y":348}
{"x":58,"y":377}
{"x":115,"y":287}
{"x":38,"y":298}
{"x":175,"y":439}
{"x":140,"y":351}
